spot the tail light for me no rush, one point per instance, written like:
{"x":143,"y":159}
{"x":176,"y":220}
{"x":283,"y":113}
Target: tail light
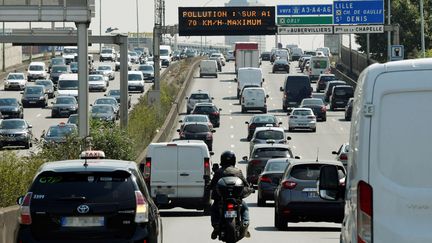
{"x":147,"y":170}
{"x":323,"y":109}
{"x":207,"y":166}
{"x":215,"y":113}
{"x":141,"y":213}
{"x":265,"y":179}
{"x":209,"y":136}
{"x":364,"y":212}
{"x":25,"y":217}
{"x":252,"y":126}
{"x":343,"y":157}
{"x":230,"y":207}
{"x":289,"y":185}
{"x":255,"y":162}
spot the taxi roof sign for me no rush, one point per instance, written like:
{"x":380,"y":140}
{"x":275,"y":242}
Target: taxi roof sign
{"x":92,"y":154}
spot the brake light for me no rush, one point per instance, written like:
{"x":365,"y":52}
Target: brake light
{"x":147,"y":170}
{"x":289,"y":185}
{"x":343,"y":157}
{"x":323,"y":109}
{"x":209,"y":136}
{"x":207,"y":166}
{"x":230,"y":207}
{"x":252,"y":126}
{"x":265,"y":179}
{"x":141,"y":213}
{"x":364,"y":212}
{"x":215,"y":113}
{"x":25,"y":209}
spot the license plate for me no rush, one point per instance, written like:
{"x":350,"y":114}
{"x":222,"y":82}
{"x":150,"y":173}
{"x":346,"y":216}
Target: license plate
{"x":164,"y":191}
{"x":230,"y":214}
{"x":32,"y":102}
{"x":312,"y":195}
{"x":132,"y":87}
{"x":82,"y":221}
{"x":339,"y":102}
{"x":292,"y":103}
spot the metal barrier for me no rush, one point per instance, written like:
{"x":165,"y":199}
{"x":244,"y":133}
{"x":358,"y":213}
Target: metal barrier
{"x":353,"y":61}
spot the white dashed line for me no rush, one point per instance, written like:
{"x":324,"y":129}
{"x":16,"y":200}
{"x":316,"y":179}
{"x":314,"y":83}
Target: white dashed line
{"x":232,"y":146}
{"x":232,"y":127}
{"x":294,"y":147}
{"x":38,"y":115}
{"x":341,"y":128}
{"x":333,"y":119}
{"x":232,"y":136}
{"x":230,"y":117}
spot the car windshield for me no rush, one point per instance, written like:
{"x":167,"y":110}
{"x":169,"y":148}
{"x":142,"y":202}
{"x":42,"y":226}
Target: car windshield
{"x":164,"y":52}
{"x":270,"y":134}
{"x":105,"y":51}
{"x":115,"y":92}
{"x":68,"y":84}
{"x":196,"y":119}
{"x":33,"y":90}
{"x":196,"y":128}
{"x":60,"y":131}
{"x":311,"y":172}
{"x":8,"y":102}
{"x":101,"y":109}
{"x":134,"y":77}
{"x":264,"y":119}
{"x":105,"y":68}
{"x":59,"y":69}
{"x":133,"y":54}
{"x":302,"y":112}
{"x":36,"y":68}
{"x":276,"y":166}
{"x":146,"y":68}
{"x":96,"y":78}
{"x":271,"y":152}
{"x":205,"y":109}
{"x":199,"y":97}
{"x":106,"y":101}
{"x":327,"y":78}
{"x":312,"y":102}
{"x":66,"y":100}
{"x":13,"y":124}
{"x":56,"y":61}
{"x":345,"y":92}
{"x":15,"y":76}
{"x":44,"y":83}
{"x":73,"y":119}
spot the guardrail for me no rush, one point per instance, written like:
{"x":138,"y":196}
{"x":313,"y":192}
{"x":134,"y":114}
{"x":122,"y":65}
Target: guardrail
{"x":9,"y":224}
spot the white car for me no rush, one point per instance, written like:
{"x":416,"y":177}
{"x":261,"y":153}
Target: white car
{"x":107,"y":54}
{"x":15,"y":81}
{"x":107,"y":70}
{"x":37,"y":70}
{"x":97,"y":82}
{"x":220,"y":56}
{"x":302,"y":118}
{"x":136,"y":81}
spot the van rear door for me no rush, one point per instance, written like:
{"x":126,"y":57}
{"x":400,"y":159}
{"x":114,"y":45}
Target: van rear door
{"x":190,"y":171}
{"x":400,"y":157}
{"x":164,"y":168}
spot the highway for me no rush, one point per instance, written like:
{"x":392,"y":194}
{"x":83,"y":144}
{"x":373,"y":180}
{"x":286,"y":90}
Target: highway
{"x":190,"y":226}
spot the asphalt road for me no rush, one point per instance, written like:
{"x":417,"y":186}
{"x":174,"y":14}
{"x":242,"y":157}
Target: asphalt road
{"x":40,"y":118}
{"x":190,"y":226}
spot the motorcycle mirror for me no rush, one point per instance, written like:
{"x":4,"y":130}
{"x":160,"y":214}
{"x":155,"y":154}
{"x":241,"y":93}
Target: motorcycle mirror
{"x":215,"y":167}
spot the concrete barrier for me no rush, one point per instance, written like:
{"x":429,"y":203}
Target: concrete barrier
{"x":9,"y":224}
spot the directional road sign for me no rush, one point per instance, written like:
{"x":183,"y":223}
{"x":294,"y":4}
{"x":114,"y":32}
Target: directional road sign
{"x":358,"y":29}
{"x":306,"y":30}
{"x":359,"y":12}
{"x":289,"y":10}
{"x":304,"y":20}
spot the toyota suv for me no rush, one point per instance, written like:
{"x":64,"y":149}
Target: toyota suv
{"x":88,"y":200}
{"x":199,"y":96}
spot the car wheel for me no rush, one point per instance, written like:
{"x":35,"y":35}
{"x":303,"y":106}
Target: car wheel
{"x":243,"y":110}
{"x":142,"y":90}
{"x":260,"y":202}
{"x":314,"y":129}
{"x":279,"y":222}
{"x":264,"y":110}
{"x":216,"y":76}
{"x":290,"y":129}
{"x":284,"y":108}
{"x":22,"y":116}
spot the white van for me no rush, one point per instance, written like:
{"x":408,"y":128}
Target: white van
{"x":208,"y":68}
{"x":165,"y":55}
{"x":179,"y":171}
{"x":68,"y":85}
{"x":248,"y":76}
{"x":389,"y":186}
{"x":37,"y":70}
{"x":318,"y":65}
{"x":254,"y":99}
{"x":69,"y":54}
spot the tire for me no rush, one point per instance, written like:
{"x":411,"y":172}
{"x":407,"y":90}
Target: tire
{"x":314,"y":129}
{"x":279,"y":222}
{"x":28,"y":145}
{"x":201,"y":76}
{"x":230,"y":232}
{"x":260,"y":202}
{"x":243,"y":110}
{"x":216,"y":76}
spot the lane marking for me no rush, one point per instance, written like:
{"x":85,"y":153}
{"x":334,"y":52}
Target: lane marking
{"x":294,"y":147}
{"x":232,"y":127}
{"x":232,"y":136}
{"x":38,"y":115}
{"x":230,"y":117}
{"x":232,"y":146}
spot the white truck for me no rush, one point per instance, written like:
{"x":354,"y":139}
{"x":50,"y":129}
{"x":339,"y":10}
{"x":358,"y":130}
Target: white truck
{"x":249,"y":77}
{"x":318,"y":65}
{"x":246,"y":55}
{"x":388,"y":190}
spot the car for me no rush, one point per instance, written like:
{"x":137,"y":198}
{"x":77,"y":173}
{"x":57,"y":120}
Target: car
{"x":265,"y":56}
{"x":259,"y":156}
{"x":56,"y":61}
{"x":210,"y":110}
{"x":107,"y":54}
{"x":136,"y":81}
{"x":100,"y":72}
{"x":304,"y":63}
{"x":115,"y":93}
{"x":134,"y":57}
{"x":329,"y":88}
{"x":48,"y":87}
{"x":296,"y":197}
{"x":302,"y":59}
{"x":318,"y":107}
{"x":97,"y":83}
{"x":196,"y":97}
{"x":117,"y":64}
{"x":15,"y":132}
{"x":218,"y":55}
{"x":230,"y":56}
{"x":261,"y":120}
{"x":348,"y":109}
{"x":74,"y":67}
{"x":89,"y":199}
{"x":296,"y":88}
{"x":218,"y":60}
{"x":342,"y":154}
{"x":147,"y":71}
{"x":109,"y":101}
{"x":73,"y":119}
{"x":208,"y":68}
{"x":64,"y":106}
{"x":34,"y":95}
{"x":197,"y":131}
{"x":296,"y":53}
{"x":195,"y":118}
{"x":68,"y":85}
{"x":11,"y":108}
{"x":302,"y":118}
{"x":263,"y":135}
{"x":108,"y":71}
{"x":269,"y":179}
{"x":37,"y":70}
{"x":253,"y":98}
{"x":15,"y":81}
{"x":322,"y":81}
{"x":340,"y":96}
{"x":58,"y":70}
{"x":281,"y":65}
{"x":59,"y":133}
{"x":103,"y":112}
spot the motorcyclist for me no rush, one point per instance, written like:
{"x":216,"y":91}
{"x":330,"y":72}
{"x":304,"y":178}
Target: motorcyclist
{"x":227,"y":163}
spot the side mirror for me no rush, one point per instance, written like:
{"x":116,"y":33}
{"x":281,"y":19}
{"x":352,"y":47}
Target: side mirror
{"x":281,"y":89}
{"x":30,"y":126}
{"x":328,"y":184}
{"x":246,"y":122}
{"x":213,"y":131}
{"x":267,"y":96}
{"x":211,"y":153}
{"x":263,"y":79}
{"x":220,"y":109}
{"x":181,"y":121}
{"x":280,"y":123}
{"x":334,"y":152}
{"x":288,"y":138}
{"x":178,"y":130}
{"x":297,"y":157}
{"x":245,"y":158}
{"x":20,"y":200}
{"x":212,"y":98}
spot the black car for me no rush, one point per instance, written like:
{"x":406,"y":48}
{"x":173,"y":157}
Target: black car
{"x":103,"y":112}
{"x":58,"y":133}
{"x":34,"y":95}
{"x":295,"y":89}
{"x":49,"y":87}
{"x":210,"y":110}
{"x":261,"y":120}
{"x":197,"y":131}
{"x":329,"y":88}
{"x":116,"y":94}
{"x":340,"y":96}
{"x":11,"y":108}
{"x":64,"y":106}
{"x":265,"y":56}
{"x":322,"y":81}
{"x":89,"y":200}
{"x":318,"y":107}
{"x":58,"y":70}
{"x":269,"y":179}
{"x":281,"y":65}
{"x":348,"y":109}
{"x":15,"y":132}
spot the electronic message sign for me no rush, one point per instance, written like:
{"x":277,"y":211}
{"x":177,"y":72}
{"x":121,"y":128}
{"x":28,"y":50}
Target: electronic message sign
{"x":208,"y":21}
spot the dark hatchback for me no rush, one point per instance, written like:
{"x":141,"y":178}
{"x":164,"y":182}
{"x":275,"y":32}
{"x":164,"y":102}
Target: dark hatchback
{"x":322,"y":81}
{"x":266,"y":56}
{"x":59,"y":133}
{"x":281,"y":65}
{"x":48,"y":85}
{"x":318,"y":107}
{"x":340,"y":96}
{"x":261,"y":121}
{"x":11,"y":108}
{"x":197,"y":131}
{"x":64,"y":106}
{"x":15,"y":132}
{"x":34,"y":95}
{"x":89,"y":201}
{"x":116,"y":94}
{"x":210,"y":110}
{"x":269,"y":180}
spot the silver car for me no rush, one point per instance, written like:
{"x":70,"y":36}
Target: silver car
{"x":264,"y":135}
{"x":296,"y":197}
{"x":107,"y":71}
{"x":302,"y":118}
{"x":109,"y":101}
{"x":197,"y":97}
{"x":342,"y":154}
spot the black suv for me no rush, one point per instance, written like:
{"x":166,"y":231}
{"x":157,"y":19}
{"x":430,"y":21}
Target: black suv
{"x":295,"y":89}
{"x":89,"y":201}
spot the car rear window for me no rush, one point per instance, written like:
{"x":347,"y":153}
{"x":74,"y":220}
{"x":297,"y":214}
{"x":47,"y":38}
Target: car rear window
{"x":302,"y":112}
{"x":199,"y":96}
{"x":85,"y":187}
{"x":270,"y":134}
{"x":276,"y":166}
{"x":195,"y":128}
{"x":327,"y":78}
{"x":272,"y":153}
{"x":345,"y":91}
{"x":297,"y":83}
{"x":205,"y":109}
{"x":311,"y":172}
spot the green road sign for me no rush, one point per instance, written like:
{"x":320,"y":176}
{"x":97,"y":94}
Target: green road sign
{"x":309,"y":20}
